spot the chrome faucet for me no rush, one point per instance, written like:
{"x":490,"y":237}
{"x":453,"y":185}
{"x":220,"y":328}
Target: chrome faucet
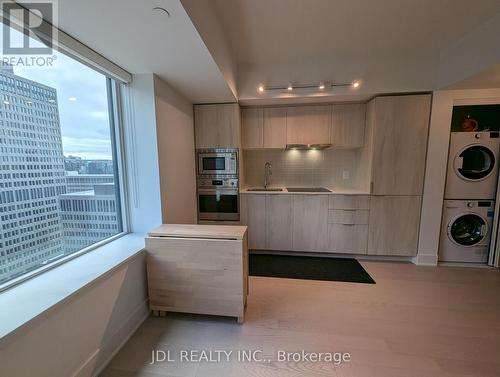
{"x":267,"y":174}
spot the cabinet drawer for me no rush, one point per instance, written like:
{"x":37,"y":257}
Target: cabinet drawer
{"x":349,"y":239}
{"x":349,"y":202}
{"x":348,"y":216}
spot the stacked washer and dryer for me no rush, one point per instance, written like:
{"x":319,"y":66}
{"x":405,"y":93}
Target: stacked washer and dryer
{"x":469,"y":205}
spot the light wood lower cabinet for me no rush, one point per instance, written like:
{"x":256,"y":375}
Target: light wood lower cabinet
{"x":347,"y":238}
{"x":394,"y":225}
{"x":310,"y":222}
{"x":279,"y":222}
{"x":253,"y":215}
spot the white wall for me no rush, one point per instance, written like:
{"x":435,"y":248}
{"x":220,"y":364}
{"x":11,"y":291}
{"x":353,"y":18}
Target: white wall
{"x":78,"y":336}
{"x":176,"y":154}
{"x":437,"y":158}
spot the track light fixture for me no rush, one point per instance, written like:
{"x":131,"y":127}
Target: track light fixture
{"x":321,"y":86}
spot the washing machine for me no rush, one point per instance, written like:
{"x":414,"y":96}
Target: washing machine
{"x":473,"y":165}
{"x":466,"y":230}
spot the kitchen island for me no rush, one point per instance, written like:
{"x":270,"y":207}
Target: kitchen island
{"x":200,"y":269}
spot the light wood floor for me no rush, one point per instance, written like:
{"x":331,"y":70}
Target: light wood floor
{"x":416,"y":321}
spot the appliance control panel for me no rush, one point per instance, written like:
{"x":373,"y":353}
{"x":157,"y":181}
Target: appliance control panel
{"x":218,"y":182}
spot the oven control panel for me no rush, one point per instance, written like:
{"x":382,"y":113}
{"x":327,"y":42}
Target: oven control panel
{"x":218,"y":182}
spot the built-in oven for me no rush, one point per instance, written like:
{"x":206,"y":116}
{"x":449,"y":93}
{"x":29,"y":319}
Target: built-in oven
{"x":217,"y":162}
{"x":218,"y":199}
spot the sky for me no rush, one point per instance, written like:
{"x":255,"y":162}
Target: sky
{"x":84,"y":121}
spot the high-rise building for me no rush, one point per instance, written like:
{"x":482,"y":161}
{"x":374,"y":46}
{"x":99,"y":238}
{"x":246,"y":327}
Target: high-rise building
{"x":32,"y":175}
{"x":97,"y":167}
{"x":85,"y":182}
{"x":72,"y":163}
{"x":89,"y":216}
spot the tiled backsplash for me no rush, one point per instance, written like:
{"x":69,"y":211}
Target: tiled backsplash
{"x":334,"y":168}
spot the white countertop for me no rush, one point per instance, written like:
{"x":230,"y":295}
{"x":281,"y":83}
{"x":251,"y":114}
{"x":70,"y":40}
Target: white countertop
{"x":246,"y":190}
{"x":199,"y":231}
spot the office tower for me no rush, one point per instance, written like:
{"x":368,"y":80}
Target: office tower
{"x":32,"y":175}
{"x":88,"y":216}
{"x":85,"y":182}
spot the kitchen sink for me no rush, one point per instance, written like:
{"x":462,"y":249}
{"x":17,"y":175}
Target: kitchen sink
{"x":266,"y":189}
{"x":307,"y":189}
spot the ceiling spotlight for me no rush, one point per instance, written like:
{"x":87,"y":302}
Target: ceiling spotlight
{"x":355,"y":84}
{"x":72,"y":98}
{"x":261,"y":88}
{"x":290,"y":87}
{"x":162,"y":11}
{"x":321,"y":86}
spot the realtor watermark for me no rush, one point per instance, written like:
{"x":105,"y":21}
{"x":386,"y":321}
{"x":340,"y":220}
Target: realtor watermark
{"x":247,"y":356}
{"x":28,"y":33}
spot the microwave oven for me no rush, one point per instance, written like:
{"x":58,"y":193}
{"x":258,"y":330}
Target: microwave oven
{"x":218,"y":162}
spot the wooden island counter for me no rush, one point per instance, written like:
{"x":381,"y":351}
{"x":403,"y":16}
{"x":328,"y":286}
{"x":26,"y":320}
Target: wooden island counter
{"x":199,"y":269}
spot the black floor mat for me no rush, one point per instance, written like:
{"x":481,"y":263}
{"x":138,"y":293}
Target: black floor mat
{"x":309,"y":268}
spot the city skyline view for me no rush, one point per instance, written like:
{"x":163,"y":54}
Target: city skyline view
{"x":82,"y":100}
{"x":57,"y":188}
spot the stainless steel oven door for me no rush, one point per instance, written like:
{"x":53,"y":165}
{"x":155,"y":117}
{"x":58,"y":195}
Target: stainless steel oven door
{"x":218,"y":204}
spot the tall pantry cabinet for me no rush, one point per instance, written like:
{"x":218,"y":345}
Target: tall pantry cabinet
{"x":399,"y":132}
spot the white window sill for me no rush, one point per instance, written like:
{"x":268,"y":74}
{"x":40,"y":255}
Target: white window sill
{"x":22,"y":303}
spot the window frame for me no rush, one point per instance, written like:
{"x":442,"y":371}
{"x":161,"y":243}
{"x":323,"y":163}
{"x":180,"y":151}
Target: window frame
{"x":118,"y":152}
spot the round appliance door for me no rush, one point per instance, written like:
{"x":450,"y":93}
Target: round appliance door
{"x":467,"y":229}
{"x":475,"y":163}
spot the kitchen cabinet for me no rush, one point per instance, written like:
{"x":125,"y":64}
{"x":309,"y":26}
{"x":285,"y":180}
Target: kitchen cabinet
{"x":348,"y":217}
{"x":394,"y":225}
{"x":308,"y":124}
{"x":275,"y":127}
{"x":278,"y":222}
{"x":347,"y":238}
{"x":400,"y":130}
{"x":348,"y":125}
{"x":217,"y":126}
{"x":310,"y":222}
{"x":253,"y":215}
{"x":252,"y":128}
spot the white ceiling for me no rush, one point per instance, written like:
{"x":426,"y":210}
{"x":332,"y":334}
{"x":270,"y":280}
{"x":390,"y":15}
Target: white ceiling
{"x":128,"y":33}
{"x":264,"y":32}
{"x":391,"y":46}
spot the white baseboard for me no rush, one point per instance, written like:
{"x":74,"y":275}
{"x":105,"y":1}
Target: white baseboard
{"x":102,"y":356}
{"x":426,"y":260}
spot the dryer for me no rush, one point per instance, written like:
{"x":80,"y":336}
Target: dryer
{"x":466,"y":230}
{"x":473,"y":165}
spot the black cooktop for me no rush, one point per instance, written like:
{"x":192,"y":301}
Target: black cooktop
{"x":307,"y":189}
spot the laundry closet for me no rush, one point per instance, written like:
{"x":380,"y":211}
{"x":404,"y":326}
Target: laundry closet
{"x":469,"y":224}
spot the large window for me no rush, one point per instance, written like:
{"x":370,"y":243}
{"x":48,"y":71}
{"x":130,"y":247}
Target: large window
{"x":58,"y":168}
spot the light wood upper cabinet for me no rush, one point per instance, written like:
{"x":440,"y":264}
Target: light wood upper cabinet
{"x":252,"y":127}
{"x":348,"y":125}
{"x":310,"y":222}
{"x":278,"y":222}
{"x":394,"y":225}
{"x":253,"y":215}
{"x":308,"y":124}
{"x":275,"y":127}
{"x":400,"y":130}
{"x":217,"y":126}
